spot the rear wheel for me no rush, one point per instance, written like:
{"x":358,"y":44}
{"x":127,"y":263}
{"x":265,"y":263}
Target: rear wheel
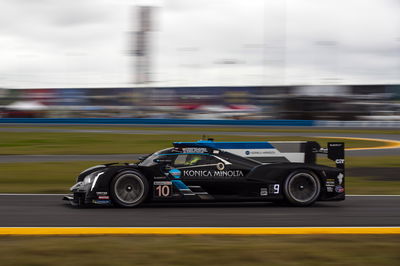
{"x":129,"y":188}
{"x":302,"y":188}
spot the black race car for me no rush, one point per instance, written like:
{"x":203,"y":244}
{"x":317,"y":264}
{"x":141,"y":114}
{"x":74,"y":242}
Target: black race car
{"x":218,"y":171}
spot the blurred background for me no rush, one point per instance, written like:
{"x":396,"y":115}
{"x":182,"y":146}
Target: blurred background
{"x":335,"y":61}
{"x":225,"y":59}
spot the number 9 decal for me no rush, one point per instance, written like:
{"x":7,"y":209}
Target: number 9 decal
{"x":276,"y":189}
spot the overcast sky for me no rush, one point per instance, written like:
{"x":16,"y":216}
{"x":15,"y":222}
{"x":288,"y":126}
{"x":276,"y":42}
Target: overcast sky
{"x":86,"y":43}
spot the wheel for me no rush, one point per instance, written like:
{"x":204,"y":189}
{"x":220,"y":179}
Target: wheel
{"x":302,"y":188}
{"x":129,"y":188}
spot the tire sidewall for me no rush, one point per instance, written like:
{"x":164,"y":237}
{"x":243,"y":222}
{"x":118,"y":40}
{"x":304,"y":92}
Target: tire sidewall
{"x":293,"y":201}
{"x":114,"y":197}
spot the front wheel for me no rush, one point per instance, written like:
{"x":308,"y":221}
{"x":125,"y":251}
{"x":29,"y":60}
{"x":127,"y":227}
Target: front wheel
{"x":302,"y":188}
{"x":129,"y":188}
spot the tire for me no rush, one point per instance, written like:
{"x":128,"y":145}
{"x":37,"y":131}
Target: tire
{"x":302,"y":188}
{"x":129,"y":189}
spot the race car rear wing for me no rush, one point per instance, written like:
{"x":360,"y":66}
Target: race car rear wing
{"x":334,"y":150}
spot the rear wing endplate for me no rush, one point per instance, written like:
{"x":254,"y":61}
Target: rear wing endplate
{"x":335,"y":152}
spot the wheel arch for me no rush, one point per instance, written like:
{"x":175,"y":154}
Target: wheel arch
{"x":119,"y":173}
{"x":280,"y":171}
{"x":104,"y":182}
{"x":314,"y":171}
{"x":290,"y":196}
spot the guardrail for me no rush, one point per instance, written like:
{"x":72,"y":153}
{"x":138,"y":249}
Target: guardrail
{"x":228,"y":122}
{"x":155,"y":121}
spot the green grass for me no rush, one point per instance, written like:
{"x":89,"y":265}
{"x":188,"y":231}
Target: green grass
{"x":44,"y":177}
{"x":366,"y":186}
{"x":57,"y":177}
{"x":99,"y":143}
{"x":355,"y":250}
{"x":364,"y":161}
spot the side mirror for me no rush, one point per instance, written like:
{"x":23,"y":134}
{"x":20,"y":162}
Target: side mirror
{"x":162,"y":161}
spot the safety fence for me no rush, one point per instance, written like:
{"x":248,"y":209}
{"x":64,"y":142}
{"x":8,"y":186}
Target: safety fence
{"x":227,"y":122}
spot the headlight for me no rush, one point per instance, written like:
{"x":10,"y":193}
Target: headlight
{"x":91,"y":177}
{"x":87,"y":180}
{"x":80,"y":176}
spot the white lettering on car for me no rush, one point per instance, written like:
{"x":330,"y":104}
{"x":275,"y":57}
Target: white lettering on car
{"x":205,"y":173}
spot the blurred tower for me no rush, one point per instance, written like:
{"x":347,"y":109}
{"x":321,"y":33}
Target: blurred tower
{"x":141,"y":43}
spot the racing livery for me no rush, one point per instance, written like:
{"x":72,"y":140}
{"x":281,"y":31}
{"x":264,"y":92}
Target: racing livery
{"x":218,"y":171}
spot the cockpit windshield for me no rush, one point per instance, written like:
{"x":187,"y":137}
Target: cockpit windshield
{"x":149,"y":160}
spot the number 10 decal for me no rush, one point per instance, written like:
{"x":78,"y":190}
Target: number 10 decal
{"x":162,"y":189}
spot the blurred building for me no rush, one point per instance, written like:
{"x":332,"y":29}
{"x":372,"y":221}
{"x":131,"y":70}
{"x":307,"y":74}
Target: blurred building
{"x":242,"y":102}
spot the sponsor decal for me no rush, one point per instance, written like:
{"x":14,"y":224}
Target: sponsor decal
{"x":194,"y":150}
{"x":101,"y":201}
{"x":335,"y":144}
{"x":339,"y":161}
{"x":264,"y":191}
{"x":175,"y":173}
{"x":101,"y":193}
{"x":258,"y":152}
{"x":162,"y":183}
{"x":340,"y":178}
{"x":104,"y":197}
{"x":205,"y":173}
{"x":329,"y":189}
{"x":339,"y":189}
{"x":330,"y":182}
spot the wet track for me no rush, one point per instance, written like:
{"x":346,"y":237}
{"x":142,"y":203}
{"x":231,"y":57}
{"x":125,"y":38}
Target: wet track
{"x":50,"y":210}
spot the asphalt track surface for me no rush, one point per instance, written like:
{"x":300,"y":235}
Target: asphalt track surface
{"x":50,"y":211}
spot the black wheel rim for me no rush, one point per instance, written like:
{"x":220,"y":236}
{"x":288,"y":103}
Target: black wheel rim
{"x":129,"y":189}
{"x":303,"y":187}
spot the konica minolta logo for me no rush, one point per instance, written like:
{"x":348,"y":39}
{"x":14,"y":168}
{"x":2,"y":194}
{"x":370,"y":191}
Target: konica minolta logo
{"x":205,"y":173}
